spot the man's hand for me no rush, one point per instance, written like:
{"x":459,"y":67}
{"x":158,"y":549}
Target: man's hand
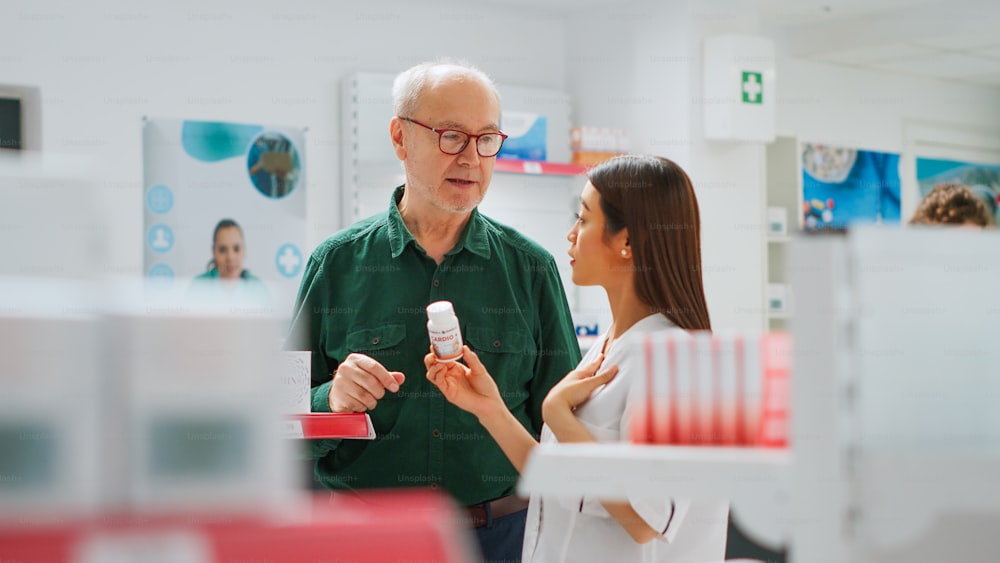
{"x":360,"y":382}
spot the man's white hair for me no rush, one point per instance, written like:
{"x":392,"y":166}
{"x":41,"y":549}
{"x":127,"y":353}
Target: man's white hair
{"x":409,"y":84}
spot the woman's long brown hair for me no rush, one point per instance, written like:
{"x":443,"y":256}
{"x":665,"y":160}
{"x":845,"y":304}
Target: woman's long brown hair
{"x":653,"y":198}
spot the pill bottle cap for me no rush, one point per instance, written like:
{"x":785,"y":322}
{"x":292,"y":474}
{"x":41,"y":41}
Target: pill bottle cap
{"x":440,"y":312}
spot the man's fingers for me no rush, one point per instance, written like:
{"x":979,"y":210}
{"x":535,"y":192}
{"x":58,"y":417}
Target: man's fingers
{"x":363,"y":401}
{"x":345,"y":396}
{"x":376,"y":370}
{"x":398,"y":376}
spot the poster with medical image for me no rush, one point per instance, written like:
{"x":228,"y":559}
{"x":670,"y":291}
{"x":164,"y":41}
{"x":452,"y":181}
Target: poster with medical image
{"x":224,"y":211}
{"x":843,"y":186}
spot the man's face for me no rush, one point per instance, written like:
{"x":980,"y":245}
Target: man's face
{"x":453,"y":183}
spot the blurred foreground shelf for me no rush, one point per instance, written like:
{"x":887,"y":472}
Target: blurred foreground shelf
{"x":620,"y":470}
{"x":757,"y":481}
{"x":374,"y":526}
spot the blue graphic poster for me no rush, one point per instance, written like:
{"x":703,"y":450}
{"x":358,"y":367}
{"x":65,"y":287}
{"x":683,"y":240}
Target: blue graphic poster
{"x":224,"y":203}
{"x":843,"y":186}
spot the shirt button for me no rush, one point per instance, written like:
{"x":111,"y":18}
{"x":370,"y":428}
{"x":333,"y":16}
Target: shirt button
{"x":375,"y":340}
{"x":436,"y":433}
{"x":437,"y":283}
{"x":496,"y":343}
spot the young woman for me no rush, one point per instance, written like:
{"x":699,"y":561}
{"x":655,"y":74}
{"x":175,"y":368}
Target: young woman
{"x":225,"y":277}
{"x":637,"y":236}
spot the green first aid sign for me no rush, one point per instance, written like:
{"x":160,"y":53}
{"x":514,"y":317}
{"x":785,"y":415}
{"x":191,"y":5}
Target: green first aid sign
{"x":752,"y":87}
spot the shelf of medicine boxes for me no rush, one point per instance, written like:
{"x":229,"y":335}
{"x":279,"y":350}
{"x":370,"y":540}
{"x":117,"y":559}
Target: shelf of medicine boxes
{"x":538,"y":167}
{"x":756,"y":481}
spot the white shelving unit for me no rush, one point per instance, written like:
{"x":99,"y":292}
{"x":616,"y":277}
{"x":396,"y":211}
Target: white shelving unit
{"x":894,"y":459}
{"x":756,"y":480}
{"x":620,"y":470}
{"x":783,"y":182}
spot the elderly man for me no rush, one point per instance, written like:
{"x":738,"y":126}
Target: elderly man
{"x":361,"y":311}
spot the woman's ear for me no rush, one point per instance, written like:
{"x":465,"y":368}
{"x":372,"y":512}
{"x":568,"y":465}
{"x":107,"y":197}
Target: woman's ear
{"x":621,"y":240}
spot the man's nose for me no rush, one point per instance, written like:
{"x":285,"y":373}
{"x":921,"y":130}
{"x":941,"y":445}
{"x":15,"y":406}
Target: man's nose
{"x":469,"y":154}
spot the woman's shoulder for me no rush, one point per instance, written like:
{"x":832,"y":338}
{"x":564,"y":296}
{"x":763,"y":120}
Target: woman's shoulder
{"x":656,"y":322}
{"x":624,"y":351}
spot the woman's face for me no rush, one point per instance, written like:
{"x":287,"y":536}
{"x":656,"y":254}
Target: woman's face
{"x":596,"y":258}
{"x":228,"y":252}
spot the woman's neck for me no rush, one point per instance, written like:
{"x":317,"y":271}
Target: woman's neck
{"x":626,"y":310}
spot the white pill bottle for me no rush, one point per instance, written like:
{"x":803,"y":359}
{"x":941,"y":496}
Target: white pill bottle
{"x":442,"y":328}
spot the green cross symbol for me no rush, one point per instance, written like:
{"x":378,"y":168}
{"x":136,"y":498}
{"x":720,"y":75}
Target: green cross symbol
{"x":752,"y":87}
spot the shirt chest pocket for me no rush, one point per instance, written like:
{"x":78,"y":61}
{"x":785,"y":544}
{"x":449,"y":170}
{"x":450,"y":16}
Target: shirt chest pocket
{"x":380,"y":342}
{"x":499,"y":340}
{"x":509,"y":355}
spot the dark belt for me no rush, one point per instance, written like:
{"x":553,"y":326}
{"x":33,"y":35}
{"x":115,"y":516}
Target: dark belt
{"x":479,"y":514}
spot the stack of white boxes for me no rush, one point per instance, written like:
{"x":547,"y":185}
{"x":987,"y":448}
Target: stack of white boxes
{"x":199,"y":390}
{"x":138,"y":406}
{"x":50,"y":404}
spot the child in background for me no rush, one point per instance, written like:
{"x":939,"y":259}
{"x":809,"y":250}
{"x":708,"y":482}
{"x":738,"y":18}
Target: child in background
{"x":952,"y":204}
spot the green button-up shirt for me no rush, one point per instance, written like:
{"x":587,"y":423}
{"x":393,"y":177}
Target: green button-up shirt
{"x":365,"y":290}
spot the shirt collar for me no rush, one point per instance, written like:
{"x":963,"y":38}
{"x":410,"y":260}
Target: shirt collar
{"x":473,"y":238}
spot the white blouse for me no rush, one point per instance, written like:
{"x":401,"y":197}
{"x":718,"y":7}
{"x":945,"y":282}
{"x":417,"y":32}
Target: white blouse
{"x":580,"y":529}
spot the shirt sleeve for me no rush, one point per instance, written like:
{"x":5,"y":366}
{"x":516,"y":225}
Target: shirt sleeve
{"x":557,"y":347}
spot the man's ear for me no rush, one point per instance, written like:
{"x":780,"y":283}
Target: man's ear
{"x":396,"y":135}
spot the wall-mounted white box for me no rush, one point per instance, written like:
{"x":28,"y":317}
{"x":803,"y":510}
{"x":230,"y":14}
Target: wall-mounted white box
{"x":738,"y":88}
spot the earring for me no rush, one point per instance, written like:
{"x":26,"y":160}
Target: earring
{"x":625,"y":253}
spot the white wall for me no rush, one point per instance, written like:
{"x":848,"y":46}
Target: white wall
{"x":858,"y":108}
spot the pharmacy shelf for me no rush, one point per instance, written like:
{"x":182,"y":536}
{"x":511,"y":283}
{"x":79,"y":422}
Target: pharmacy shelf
{"x":756,"y":481}
{"x":538,"y":167}
{"x":357,"y":425}
{"x":623,"y":470}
